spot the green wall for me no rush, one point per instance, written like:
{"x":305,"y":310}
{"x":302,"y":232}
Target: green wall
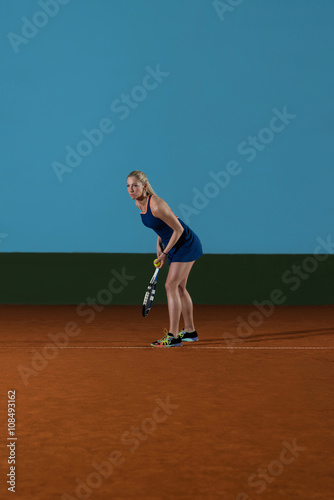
{"x":63,"y":278}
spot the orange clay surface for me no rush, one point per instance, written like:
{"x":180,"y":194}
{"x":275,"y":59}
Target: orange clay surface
{"x":196,"y":422}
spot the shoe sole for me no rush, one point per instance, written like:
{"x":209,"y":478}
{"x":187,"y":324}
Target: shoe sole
{"x":190,"y":340}
{"x":161,"y":345}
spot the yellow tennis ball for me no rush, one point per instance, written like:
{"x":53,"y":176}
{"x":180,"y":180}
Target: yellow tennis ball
{"x":156,"y":263}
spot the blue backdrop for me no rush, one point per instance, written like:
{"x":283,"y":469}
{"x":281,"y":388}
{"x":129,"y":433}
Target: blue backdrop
{"x":227,"y":106}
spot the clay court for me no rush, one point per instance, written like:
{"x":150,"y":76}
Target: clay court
{"x":176,"y":132}
{"x":106,"y":416}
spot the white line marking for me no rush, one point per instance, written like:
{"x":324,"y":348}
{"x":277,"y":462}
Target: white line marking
{"x":155,"y":348}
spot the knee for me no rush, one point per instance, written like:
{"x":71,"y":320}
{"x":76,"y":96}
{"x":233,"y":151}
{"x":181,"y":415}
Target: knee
{"x":182,"y":289}
{"x":171,"y":286}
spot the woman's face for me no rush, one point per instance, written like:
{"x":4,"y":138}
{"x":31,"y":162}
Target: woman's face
{"x":135,"y":188}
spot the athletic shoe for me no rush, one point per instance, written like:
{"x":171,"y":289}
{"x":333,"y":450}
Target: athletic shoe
{"x":166,"y":334}
{"x":168,"y":341}
{"x":189,"y":337}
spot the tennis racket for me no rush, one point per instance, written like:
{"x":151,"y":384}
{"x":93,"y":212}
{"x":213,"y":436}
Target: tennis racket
{"x":149,"y":295}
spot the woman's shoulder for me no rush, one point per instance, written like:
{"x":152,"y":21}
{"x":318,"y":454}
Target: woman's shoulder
{"x":156,"y":201}
{"x":158,"y":205}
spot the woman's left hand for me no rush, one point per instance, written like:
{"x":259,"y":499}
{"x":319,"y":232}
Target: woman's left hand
{"x":162,"y":259}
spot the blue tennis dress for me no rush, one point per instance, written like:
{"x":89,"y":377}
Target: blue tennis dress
{"x":187,"y":248}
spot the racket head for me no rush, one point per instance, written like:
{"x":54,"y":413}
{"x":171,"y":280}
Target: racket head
{"x":150,"y":294}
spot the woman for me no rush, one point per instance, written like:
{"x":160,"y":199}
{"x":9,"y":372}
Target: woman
{"x":182,"y":246}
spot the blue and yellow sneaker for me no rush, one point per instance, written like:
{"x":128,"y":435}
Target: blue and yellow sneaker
{"x":168,"y":341}
{"x":189,"y":336}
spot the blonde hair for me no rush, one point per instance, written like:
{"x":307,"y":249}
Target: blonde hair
{"x":140,"y":176}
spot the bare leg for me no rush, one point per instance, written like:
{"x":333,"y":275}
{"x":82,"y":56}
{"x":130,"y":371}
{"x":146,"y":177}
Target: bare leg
{"x":187,"y":310}
{"x":177,"y":301}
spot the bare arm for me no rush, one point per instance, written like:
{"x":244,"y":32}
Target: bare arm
{"x":159,"y":246}
{"x":161,"y":210}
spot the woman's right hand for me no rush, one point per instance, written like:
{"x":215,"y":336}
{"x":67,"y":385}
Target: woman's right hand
{"x":161,"y":258}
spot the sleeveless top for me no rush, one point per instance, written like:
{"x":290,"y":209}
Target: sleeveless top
{"x":187,"y":248}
